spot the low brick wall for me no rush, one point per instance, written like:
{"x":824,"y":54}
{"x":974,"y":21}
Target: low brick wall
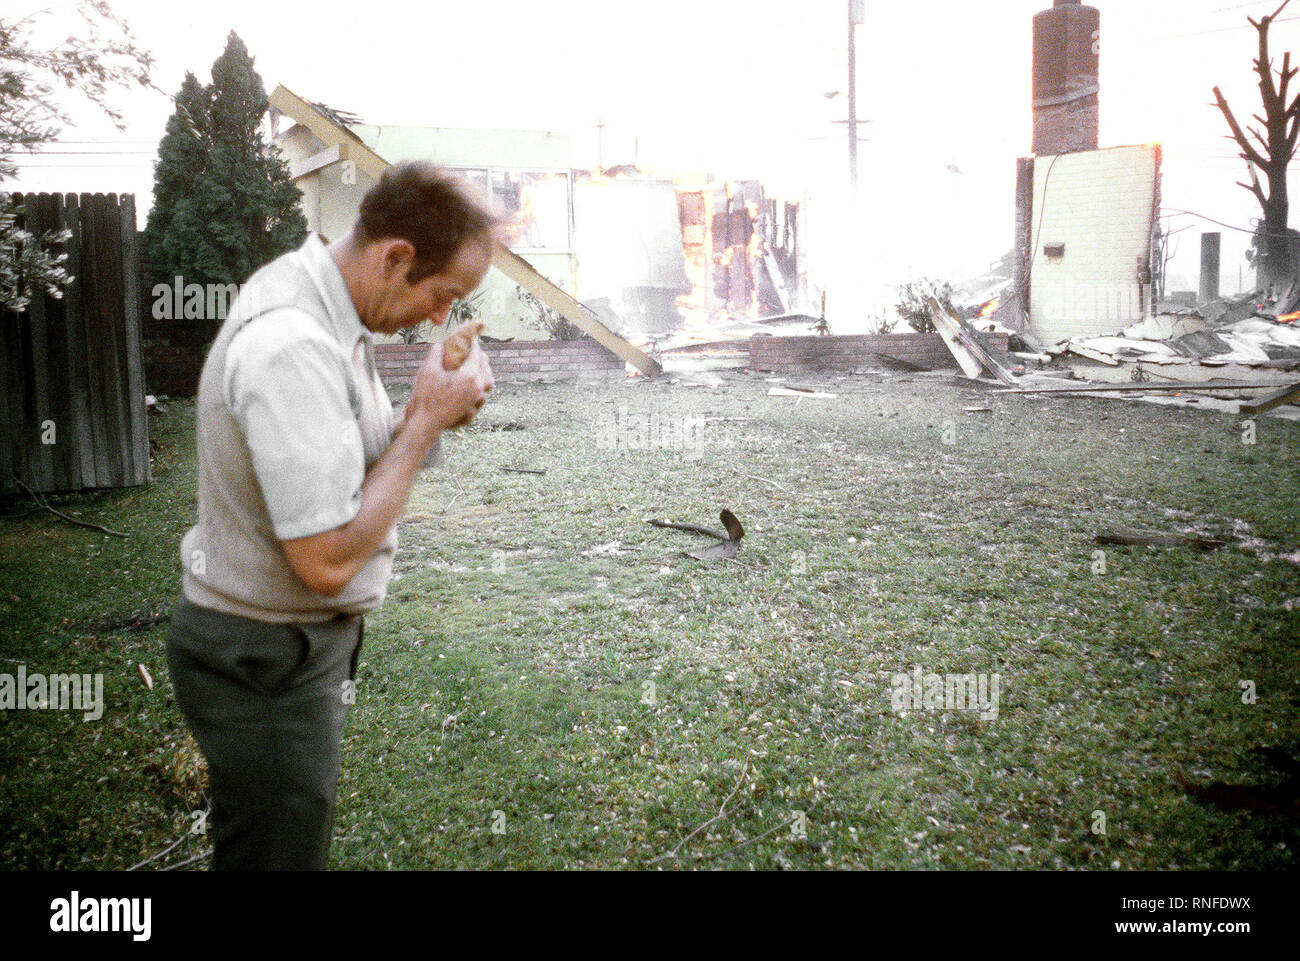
{"x":514,"y":360}
{"x":172,"y":370}
{"x":174,"y":351}
{"x":852,"y":351}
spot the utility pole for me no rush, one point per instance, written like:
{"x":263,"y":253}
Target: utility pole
{"x":857,"y":15}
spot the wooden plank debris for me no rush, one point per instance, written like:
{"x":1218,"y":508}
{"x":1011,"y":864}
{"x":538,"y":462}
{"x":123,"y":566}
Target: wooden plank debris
{"x":968,"y":362}
{"x":1158,"y":539}
{"x":1088,"y":353}
{"x":526,"y":276}
{"x":1099,"y":388}
{"x":970,"y":343}
{"x":504,"y":259}
{"x":1287,"y":395}
{"x":786,"y":392}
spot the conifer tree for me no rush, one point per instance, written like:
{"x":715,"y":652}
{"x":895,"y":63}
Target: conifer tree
{"x":224,"y":204}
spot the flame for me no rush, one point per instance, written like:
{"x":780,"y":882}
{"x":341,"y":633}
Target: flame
{"x":990,"y":307}
{"x":1289,"y":318}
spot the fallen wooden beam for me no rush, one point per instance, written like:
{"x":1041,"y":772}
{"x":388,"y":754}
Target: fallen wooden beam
{"x":787,"y":392}
{"x":970,"y":364}
{"x":1089,"y":354}
{"x":1097,"y":388}
{"x":526,"y":276}
{"x":1287,"y":395}
{"x":966,"y":337}
{"x":1158,"y":539}
{"x":504,"y":259}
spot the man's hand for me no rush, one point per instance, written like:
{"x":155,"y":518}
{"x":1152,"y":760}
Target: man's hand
{"x":444,"y":400}
{"x":441,"y":400}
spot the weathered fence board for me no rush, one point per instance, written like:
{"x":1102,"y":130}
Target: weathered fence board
{"x":71,"y":369}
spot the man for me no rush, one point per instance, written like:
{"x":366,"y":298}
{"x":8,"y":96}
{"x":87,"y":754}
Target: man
{"x":303,"y":473}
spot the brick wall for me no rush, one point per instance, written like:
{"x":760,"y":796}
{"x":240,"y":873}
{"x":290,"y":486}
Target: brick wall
{"x":514,"y":360}
{"x":848,"y":352}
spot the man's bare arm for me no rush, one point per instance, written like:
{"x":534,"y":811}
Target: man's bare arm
{"x":327,"y":562}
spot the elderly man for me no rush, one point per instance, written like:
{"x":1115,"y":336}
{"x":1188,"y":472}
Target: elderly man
{"x":303,"y":473}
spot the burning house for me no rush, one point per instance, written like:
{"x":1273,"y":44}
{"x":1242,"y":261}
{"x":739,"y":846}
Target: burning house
{"x":652,"y":258}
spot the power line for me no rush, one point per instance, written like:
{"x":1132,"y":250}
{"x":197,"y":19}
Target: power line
{"x":89,"y":153}
{"x":1240,"y":26}
{"x":1174,"y":211}
{"x":1242,"y":6}
{"x":30,"y":167}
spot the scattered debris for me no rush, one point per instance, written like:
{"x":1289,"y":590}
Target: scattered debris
{"x":1159,"y":539}
{"x":1288,"y":395}
{"x":728,"y":541}
{"x":1086,"y":388}
{"x":522,"y":470}
{"x":1245,"y":335}
{"x":41,"y":504}
{"x":786,"y":392}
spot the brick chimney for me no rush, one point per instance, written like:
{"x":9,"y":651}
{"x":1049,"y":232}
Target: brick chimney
{"x":1066,"y":63}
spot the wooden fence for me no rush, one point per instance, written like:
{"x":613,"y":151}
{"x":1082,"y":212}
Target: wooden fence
{"x":71,"y":371}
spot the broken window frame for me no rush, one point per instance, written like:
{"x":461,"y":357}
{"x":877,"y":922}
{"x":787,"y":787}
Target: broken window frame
{"x":484,"y":178}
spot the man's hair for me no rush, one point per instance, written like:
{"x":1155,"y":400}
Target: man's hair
{"x":419,"y":202}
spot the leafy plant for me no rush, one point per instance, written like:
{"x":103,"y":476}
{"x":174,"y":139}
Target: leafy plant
{"x":881,"y":324}
{"x":914,"y":309}
{"x":461,"y":312}
{"x":544,"y":318}
{"x":88,"y":62}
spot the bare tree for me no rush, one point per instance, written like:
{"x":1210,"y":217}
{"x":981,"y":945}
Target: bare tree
{"x":1280,"y":124}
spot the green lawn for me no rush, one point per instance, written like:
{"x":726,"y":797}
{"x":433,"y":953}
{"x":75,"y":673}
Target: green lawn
{"x":534,"y":696}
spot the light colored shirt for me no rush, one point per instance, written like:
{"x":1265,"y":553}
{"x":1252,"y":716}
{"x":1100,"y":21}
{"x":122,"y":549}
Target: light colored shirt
{"x":291,"y":414}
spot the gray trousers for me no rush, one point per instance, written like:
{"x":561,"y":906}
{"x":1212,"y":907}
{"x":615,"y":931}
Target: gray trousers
{"x":267,"y":704}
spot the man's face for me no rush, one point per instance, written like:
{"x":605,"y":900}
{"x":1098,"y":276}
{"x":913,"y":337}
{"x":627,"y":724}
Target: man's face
{"x":405,"y":305}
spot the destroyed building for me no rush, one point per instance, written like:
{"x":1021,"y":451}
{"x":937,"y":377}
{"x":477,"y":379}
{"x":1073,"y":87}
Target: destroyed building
{"x":647,"y":255}
{"x":1086,"y":218}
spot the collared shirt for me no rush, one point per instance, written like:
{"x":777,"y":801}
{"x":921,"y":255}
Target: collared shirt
{"x":304,"y":404}
{"x":290,"y":415}
{"x":311,"y":405}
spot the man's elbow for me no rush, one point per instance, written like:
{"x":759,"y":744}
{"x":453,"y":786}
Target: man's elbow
{"x":311,"y":562}
{"x":329,"y":581}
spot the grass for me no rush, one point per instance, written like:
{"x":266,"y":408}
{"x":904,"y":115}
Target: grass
{"x":535,"y":695}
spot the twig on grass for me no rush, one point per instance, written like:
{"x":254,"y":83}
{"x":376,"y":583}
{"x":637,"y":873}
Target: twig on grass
{"x":784,"y":824}
{"x":812,"y":497}
{"x":722,"y":812}
{"x":766,"y":481}
{"x":449,"y":719}
{"x":188,"y":861}
{"x":160,"y":853}
{"x":41,"y":504}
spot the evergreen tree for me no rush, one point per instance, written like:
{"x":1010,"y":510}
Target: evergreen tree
{"x":224,"y":204}
{"x":182,"y":155}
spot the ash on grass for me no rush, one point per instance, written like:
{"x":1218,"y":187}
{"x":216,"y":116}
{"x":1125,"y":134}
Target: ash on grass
{"x":528,"y":701}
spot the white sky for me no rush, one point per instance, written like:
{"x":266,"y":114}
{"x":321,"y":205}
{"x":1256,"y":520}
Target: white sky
{"x":736,"y":89}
